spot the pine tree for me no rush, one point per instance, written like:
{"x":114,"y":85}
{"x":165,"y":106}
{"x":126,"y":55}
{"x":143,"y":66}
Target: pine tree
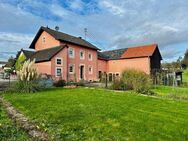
{"x":185,"y":60}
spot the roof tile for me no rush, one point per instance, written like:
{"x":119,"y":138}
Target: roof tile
{"x":133,"y":52}
{"x":63,"y":37}
{"x":112,"y":54}
{"x":28,"y":53}
{"x":140,"y":51}
{"x":46,"y":54}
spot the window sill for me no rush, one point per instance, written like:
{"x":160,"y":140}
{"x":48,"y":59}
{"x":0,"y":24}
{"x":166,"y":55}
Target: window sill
{"x":71,"y":57}
{"x":71,"y":73}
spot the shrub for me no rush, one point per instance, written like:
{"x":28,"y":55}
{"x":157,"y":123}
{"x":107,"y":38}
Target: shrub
{"x":28,"y":87}
{"x":137,"y":81}
{"x":118,"y":85}
{"x":28,"y":72}
{"x":80,"y":83}
{"x":60,"y":83}
{"x":28,"y":79}
{"x":46,"y":81}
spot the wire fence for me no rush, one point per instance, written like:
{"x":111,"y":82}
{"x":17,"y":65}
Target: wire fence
{"x":158,"y":77}
{"x":167,"y":77}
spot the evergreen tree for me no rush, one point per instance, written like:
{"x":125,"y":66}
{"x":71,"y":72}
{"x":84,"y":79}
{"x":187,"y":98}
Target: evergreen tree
{"x":185,"y":60}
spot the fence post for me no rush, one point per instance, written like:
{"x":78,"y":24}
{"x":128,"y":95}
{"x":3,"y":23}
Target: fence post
{"x":106,"y":80}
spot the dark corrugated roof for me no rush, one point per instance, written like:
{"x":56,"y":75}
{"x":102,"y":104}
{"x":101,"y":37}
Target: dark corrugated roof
{"x":46,"y":54}
{"x":63,"y":37}
{"x":112,"y":54}
{"x":102,"y":56}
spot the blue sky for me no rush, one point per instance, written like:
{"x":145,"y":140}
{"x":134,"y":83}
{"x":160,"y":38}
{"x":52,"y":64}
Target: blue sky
{"x":111,"y":24}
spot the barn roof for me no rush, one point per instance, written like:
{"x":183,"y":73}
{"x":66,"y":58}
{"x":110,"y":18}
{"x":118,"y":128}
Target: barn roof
{"x":112,"y":54}
{"x":132,"y":52}
{"x":140,"y":51}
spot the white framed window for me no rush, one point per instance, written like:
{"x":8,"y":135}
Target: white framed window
{"x":90,"y":57}
{"x":90,"y":69}
{"x":71,"y":52}
{"x":59,"y":61}
{"x":82,"y":55}
{"x":43,"y":39}
{"x":110,"y":77}
{"x":71,"y":68}
{"x":58,"y":72}
{"x":117,"y":74}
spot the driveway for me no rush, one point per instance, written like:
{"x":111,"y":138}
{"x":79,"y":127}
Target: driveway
{"x":4,"y":84}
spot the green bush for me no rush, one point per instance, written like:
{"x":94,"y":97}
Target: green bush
{"x":25,"y":87}
{"x":118,"y":85}
{"x":137,"y":81}
{"x":60,"y":83}
{"x":28,"y":79}
{"x":28,"y":87}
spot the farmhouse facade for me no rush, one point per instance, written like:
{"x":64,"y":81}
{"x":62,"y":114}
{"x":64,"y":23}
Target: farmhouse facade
{"x":73,"y":59}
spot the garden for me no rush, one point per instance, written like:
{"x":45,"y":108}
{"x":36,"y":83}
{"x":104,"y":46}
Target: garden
{"x":98,"y":114}
{"x":131,"y":109}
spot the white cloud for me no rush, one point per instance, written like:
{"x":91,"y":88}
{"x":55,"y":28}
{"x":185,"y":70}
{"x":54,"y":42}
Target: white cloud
{"x":15,"y":37}
{"x":110,"y":6}
{"x":58,"y":10}
{"x":117,"y":24}
{"x":76,"y":5}
{"x":10,"y":43}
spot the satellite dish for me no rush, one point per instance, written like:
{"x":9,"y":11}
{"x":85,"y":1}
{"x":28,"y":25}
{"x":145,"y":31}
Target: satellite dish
{"x":57,"y":28}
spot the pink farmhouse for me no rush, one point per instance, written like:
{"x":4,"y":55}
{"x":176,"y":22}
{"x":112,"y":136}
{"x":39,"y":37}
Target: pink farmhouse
{"x":71,"y":58}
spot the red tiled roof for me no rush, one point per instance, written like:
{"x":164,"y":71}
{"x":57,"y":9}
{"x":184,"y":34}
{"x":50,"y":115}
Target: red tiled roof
{"x":140,"y":51}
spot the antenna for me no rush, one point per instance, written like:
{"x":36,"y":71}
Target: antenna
{"x":85,"y":33}
{"x":56,"y":28}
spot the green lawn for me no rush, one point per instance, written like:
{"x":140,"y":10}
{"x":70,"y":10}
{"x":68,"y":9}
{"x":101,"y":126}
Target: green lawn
{"x":185,"y":76}
{"x":166,"y":90}
{"x":8,"y":131}
{"x":93,"y":114}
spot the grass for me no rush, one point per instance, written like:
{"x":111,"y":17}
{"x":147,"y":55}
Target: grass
{"x":185,"y":76}
{"x":166,"y":90}
{"x":8,"y":131}
{"x":180,"y":93}
{"x":177,"y":93}
{"x":94,"y":114}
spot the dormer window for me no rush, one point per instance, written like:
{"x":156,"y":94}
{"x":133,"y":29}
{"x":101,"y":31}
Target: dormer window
{"x":82,"y":55}
{"x":43,"y":39}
